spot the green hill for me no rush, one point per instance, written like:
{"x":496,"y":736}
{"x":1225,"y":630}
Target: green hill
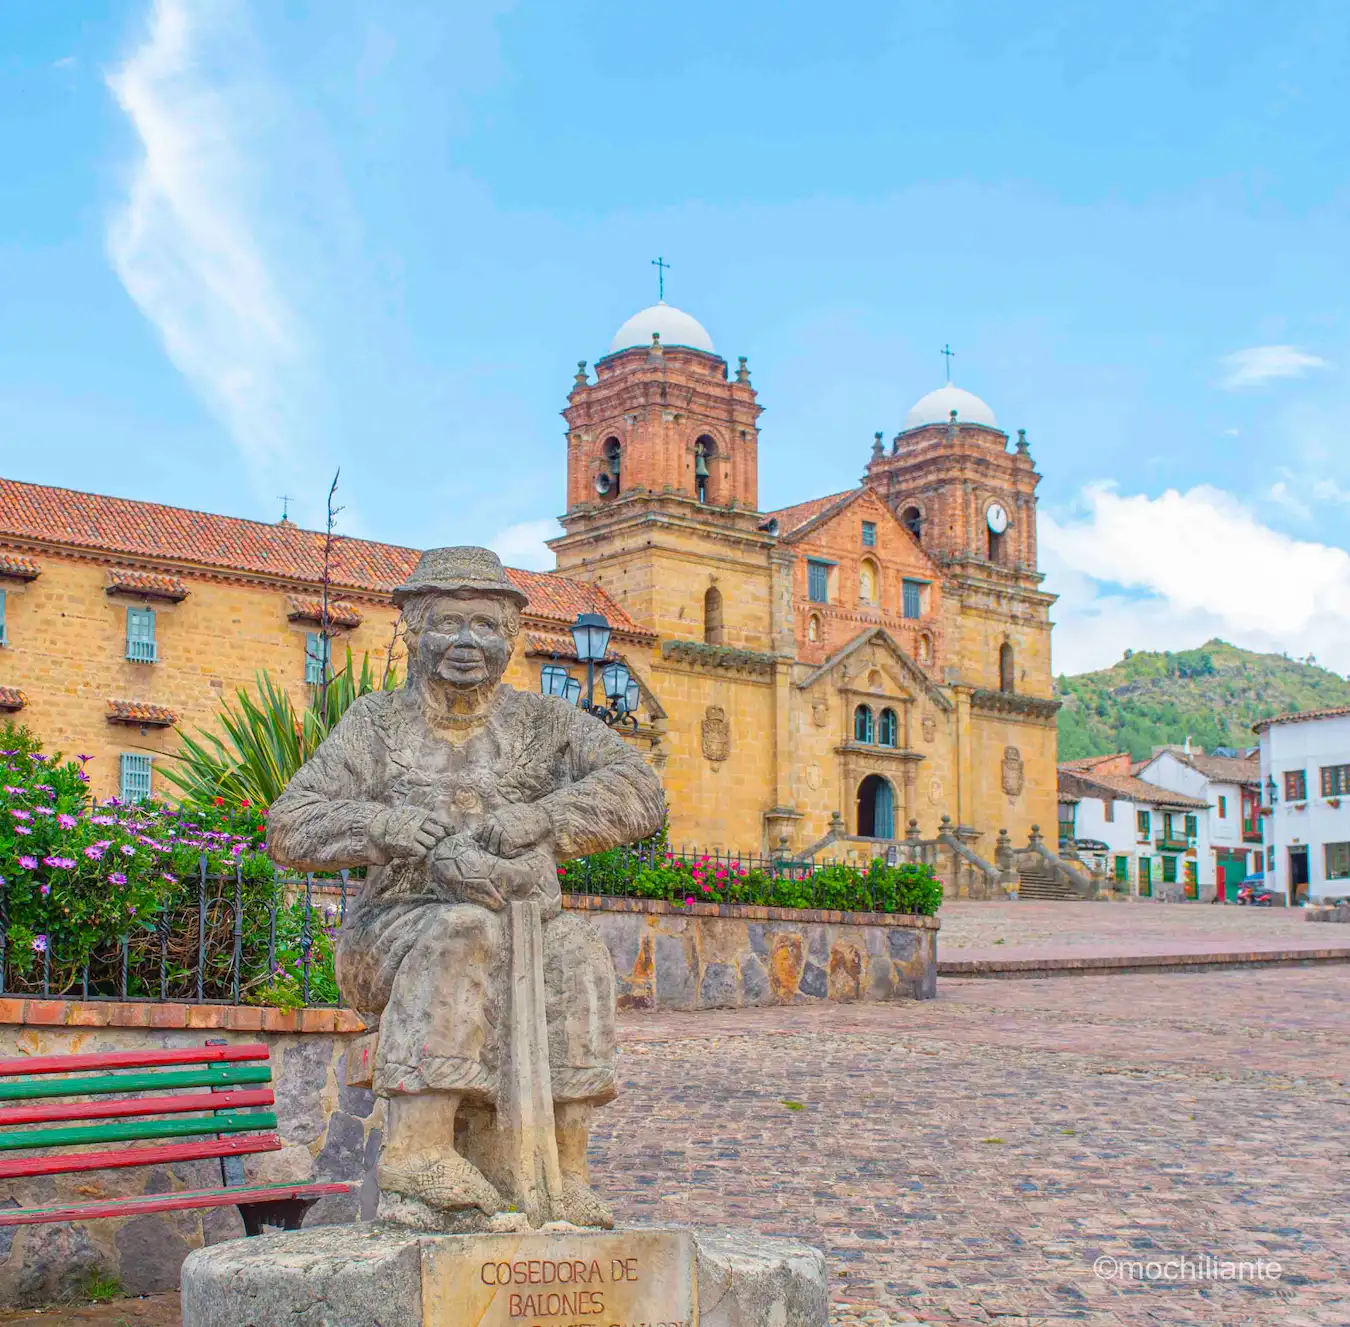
{"x":1212,"y":695}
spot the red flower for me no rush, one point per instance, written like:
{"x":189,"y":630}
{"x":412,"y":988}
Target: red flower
{"x":220,"y":801}
{"x":245,"y":803}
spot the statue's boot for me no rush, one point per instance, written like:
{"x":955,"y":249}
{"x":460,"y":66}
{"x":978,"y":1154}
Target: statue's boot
{"x":581,"y":1205}
{"x":443,"y":1180}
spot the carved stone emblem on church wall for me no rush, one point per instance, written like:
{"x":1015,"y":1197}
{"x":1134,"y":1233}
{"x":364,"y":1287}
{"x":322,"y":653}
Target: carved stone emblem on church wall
{"x":820,"y":714}
{"x":1014,"y":776}
{"x":716,"y":733}
{"x":929,"y":728}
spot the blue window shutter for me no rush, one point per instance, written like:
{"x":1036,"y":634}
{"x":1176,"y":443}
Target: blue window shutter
{"x":862,"y":724}
{"x":135,"y":781}
{"x":913,"y":599}
{"x":316,"y":657}
{"x":889,"y":730}
{"x":869,"y":534}
{"x":141,"y":635}
{"x":883,"y":813}
{"x":818,"y":582}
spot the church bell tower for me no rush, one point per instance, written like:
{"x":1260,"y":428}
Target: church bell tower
{"x":663,"y":478}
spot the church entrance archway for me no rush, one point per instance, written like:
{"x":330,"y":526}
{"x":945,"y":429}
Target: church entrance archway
{"x":876,"y":808}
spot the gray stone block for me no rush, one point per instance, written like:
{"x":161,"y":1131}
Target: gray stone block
{"x":815,"y":982}
{"x":904,"y":944}
{"x":150,"y":1252}
{"x":754,"y":982}
{"x":674,"y":973}
{"x":746,"y":1280}
{"x":720,"y":987}
{"x":344,"y":1149}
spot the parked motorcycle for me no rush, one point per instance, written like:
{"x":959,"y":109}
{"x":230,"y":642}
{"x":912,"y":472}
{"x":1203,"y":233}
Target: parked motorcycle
{"x":1254,"y":894}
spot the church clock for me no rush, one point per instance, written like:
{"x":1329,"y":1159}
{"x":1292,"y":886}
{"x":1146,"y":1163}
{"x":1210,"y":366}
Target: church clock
{"x":997,"y":517}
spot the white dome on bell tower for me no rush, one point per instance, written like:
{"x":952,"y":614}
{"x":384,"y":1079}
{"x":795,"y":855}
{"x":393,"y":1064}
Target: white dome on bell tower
{"x":937,"y":407}
{"x":672,"y":325}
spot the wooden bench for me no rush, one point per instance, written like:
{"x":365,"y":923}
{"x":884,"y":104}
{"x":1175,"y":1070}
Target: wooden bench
{"x":227,"y":1121}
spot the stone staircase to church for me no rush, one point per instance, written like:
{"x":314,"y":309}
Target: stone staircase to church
{"x":1039,"y":880}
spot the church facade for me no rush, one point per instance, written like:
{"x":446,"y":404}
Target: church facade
{"x":848,"y":664}
{"x":872,"y":657}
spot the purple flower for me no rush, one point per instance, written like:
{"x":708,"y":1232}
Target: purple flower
{"x":131,"y":912}
{"x":65,"y":821}
{"x":40,"y":944}
{"x":94,"y":852}
{"x":43,"y":811}
{"x":127,"y":850}
{"x":37,"y":756}
{"x":84,"y":760}
{"x":28,"y":863}
{"x":172,"y":879}
{"x":22,"y":829}
{"x":117,"y":878}
{"x":60,"y":863}
{"x":82,"y":776}
{"x":45,"y":890}
{"x":19,"y":815}
{"x":102,"y":820}
{"x":13,"y":791}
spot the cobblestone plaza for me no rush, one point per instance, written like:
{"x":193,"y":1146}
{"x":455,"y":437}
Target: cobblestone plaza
{"x":968,"y":1159}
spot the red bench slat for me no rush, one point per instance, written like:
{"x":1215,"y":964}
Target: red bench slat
{"x":168,"y":1202}
{"x":164,"y":1154}
{"x":69,"y":1064}
{"x":232,"y":1099}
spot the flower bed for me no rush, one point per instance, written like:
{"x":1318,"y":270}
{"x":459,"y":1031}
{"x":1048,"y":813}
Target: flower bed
{"x":143,"y":901}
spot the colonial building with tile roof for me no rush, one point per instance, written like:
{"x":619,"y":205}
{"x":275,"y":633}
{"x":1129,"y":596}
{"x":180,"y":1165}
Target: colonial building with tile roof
{"x":846,"y":665}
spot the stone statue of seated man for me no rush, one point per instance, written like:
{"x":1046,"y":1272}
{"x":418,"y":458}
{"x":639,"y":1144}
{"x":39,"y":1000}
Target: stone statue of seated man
{"x":495,"y":1007}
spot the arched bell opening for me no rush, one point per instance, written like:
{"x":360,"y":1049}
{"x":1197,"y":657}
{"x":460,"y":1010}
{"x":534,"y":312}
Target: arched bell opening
{"x":705,"y":479}
{"x":713,"y":629}
{"x":876,"y":808}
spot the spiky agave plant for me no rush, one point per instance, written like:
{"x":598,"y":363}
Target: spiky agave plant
{"x":265,"y":739}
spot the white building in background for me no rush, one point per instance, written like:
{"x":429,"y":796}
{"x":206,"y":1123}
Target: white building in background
{"x":1230,"y":788}
{"x":1149,"y":838}
{"x":1305,"y":782}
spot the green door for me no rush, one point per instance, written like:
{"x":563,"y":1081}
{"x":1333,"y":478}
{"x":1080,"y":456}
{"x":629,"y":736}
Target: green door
{"x":1234,"y":868}
{"x":1122,"y":870}
{"x":1146,"y":877}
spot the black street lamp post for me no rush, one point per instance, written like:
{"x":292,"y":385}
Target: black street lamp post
{"x":590,"y":636}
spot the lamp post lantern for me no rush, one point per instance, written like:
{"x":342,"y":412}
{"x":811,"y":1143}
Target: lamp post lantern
{"x":590,"y":636}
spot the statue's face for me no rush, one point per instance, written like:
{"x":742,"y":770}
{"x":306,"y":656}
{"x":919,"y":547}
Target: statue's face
{"x":463,"y":642}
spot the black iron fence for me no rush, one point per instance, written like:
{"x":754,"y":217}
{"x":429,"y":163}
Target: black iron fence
{"x":221,"y":939}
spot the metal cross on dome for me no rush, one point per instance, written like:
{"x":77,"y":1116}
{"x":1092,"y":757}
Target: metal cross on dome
{"x":661,"y":267}
{"x":948,"y":353}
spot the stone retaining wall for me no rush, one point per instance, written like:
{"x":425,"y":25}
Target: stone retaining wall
{"x":734,"y":955}
{"x":330,"y":1132}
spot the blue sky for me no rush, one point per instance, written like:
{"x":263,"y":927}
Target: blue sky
{"x":245,"y":243}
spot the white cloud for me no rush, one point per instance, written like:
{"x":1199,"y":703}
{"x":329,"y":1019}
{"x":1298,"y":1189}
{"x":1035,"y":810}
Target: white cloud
{"x":523,"y":545}
{"x":1261,"y":364}
{"x":1173,"y":571}
{"x":186,"y":243}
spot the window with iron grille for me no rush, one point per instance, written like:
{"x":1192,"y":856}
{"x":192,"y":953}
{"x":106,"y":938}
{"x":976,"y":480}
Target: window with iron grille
{"x":1192,"y":827}
{"x":888,"y":728}
{"x":912,"y":605}
{"x":1141,"y":821}
{"x":135,"y":777}
{"x":818,"y":582}
{"x":1295,"y":785}
{"x":1335,"y":780}
{"x":316,"y":657}
{"x":141,"y":635}
{"x":1223,"y":807}
{"x":1338,"y":861}
{"x":869,"y":534}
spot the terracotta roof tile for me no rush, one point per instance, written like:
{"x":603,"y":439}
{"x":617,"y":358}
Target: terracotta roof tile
{"x":340,"y":614}
{"x":95,"y":522}
{"x":17,"y":568}
{"x":557,"y":642}
{"x":139,"y":711}
{"x":147,"y":583}
{"x":11,"y":698}
{"x":1124,"y":788}
{"x":791,"y":519}
{"x":1297,"y":716}
{"x":1225,"y":769}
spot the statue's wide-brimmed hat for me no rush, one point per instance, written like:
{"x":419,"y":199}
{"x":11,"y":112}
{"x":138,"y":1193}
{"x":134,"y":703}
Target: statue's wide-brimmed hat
{"x":458,"y":571}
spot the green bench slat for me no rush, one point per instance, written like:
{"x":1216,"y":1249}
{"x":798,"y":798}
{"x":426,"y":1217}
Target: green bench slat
{"x":213,"y":1076}
{"x":125,"y":1130}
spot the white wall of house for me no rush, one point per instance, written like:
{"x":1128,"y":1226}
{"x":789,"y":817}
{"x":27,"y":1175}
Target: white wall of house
{"x":1224,"y":818}
{"x":1121,"y":834}
{"x":1312,"y":823}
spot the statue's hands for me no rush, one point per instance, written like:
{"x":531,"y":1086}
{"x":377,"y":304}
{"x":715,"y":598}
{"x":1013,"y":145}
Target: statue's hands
{"x":405,"y":832}
{"x":469,"y":872}
{"x":512,"y":830}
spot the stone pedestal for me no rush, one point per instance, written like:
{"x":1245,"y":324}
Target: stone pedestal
{"x":387,"y":1276}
